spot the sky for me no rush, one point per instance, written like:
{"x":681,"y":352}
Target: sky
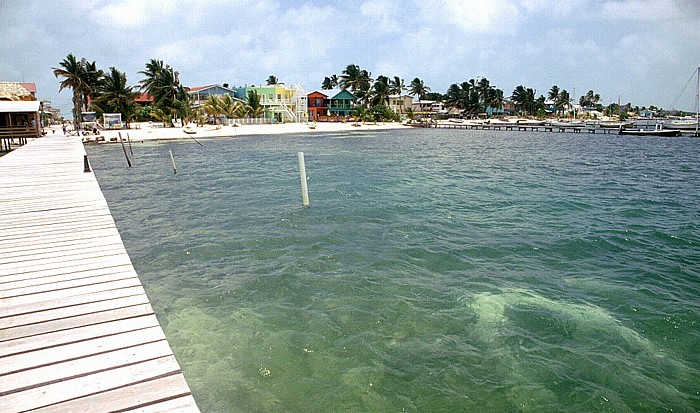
{"x":640,"y":51}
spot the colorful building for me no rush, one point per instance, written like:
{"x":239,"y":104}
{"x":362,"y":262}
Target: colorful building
{"x":318,"y":105}
{"x":342,"y":103}
{"x":200,"y":94}
{"x":282,"y":103}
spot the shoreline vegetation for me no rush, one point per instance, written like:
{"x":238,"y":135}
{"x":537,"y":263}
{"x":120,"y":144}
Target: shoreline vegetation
{"x":170,"y":103}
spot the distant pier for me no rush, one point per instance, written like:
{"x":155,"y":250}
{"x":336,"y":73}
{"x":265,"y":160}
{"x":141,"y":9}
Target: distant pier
{"x":77,"y":331}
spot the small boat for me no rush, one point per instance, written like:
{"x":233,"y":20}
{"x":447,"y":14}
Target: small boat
{"x":650,"y":132}
{"x":455,"y":120}
{"x":615,"y":125}
{"x":188,"y":130}
{"x":566,"y":124}
{"x":311,"y":125}
{"x":684,"y":124}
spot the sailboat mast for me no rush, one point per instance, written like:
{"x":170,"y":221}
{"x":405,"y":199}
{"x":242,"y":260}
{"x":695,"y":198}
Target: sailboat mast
{"x":697,"y":105}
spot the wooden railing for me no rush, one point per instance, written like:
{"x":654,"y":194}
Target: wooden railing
{"x":16,"y":135}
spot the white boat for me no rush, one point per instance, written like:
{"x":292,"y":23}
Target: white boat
{"x":687,"y":123}
{"x":615,"y":125}
{"x":567,"y":124}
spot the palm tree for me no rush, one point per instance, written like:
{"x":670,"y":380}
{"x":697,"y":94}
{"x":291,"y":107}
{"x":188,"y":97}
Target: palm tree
{"x":524,"y":98}
{"x":357,"y":80}
{"x":213,"y":106}
{"x":114,"y":95}
{"x":396,"y":86}
{"x":454,"y":98}
{"x":254,"y":108}
{"x":483,"y":87}
{"x":76,"y":78}
{"x":162,"y":82}
{"x":563,"y":100}
{"x":379,"y":95}
{"x":418,"y":88}
{"x":553,"y":95}
{"x":272,"y":80}
{"x":494,"y":98}
{"x":330,"y":82}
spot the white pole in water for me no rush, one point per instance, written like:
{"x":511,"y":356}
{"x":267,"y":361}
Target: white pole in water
{"x":172,"y":158}
{"x":302,"y":175}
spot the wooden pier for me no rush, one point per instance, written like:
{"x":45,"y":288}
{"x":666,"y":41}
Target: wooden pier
{"x":519,"y":127}
{"x":77,"y":331}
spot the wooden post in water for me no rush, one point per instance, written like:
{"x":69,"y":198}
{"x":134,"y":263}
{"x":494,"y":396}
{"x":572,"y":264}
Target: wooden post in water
{"x":124,"y":148}
{"x":128,"y":139}
{"x":302,"y":175}
{"x":172,"y":158}
{"x":86,"y":164}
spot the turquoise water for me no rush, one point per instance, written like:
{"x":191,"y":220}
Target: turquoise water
{"x":435,"y":271}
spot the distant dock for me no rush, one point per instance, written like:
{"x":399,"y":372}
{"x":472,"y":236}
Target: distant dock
{"x":77,"y":331}
{"x":518,"y":127}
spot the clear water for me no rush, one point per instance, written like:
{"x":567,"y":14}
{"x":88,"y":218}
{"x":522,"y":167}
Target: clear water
{"x":435,"y":271}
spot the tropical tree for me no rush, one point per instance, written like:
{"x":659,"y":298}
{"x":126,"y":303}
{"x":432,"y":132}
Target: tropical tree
{"x":162,"y":82}
{"x":254,"y":108}
{"x":524,"y":99}
{"x":396,"y":86}
{"x":590,"y":99}
{"x":359,"y":81}
{"x":418,"y":89}
{"x":272,"y":80}
{"x":213,"y":107}
{"x":330,"y":82}
{"x":80,"y":76}
{"x":113,"y":94}
{"x":563,"y":100}
{"x":553,"y":95}
{"x":380,"y":91}
{"x":463,"y":97}
{"x":483,"y":87}
{"x":494,"y":98}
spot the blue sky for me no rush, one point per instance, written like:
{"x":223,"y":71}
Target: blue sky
{"x":643,"y":51}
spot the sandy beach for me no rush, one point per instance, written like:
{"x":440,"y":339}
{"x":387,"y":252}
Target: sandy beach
{"x":145,"y":131}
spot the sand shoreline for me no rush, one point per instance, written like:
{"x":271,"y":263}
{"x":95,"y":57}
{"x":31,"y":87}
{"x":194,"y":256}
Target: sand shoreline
{"x":145,"y":132}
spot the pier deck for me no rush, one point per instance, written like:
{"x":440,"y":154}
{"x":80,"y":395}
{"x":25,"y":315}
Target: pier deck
{"x":77,"y":331}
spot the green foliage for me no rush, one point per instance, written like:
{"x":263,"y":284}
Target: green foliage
{"x":418,"y":89}
{"x":162,"y":82}
{"x":80,"y":76}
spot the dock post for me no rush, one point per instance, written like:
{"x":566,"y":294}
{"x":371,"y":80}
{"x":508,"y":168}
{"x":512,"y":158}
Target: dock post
{"x":172,"y":158}
{"x":302,"y":175}
{"x":86,"y":164}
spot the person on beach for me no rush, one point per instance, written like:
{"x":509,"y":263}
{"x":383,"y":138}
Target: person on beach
{"x":64,"y":129}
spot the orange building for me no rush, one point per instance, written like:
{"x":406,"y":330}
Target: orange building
{"x":318,"y":105}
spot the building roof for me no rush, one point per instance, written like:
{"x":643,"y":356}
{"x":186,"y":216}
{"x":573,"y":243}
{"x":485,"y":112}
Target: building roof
{"x":19,"y":106}
{"x":144,"y":98}
{"x":316,"y":92}
{"x":343,"y":94}
{"x":17,"y":91}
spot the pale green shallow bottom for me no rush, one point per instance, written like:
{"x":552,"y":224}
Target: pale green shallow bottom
{"x":440,"y":271}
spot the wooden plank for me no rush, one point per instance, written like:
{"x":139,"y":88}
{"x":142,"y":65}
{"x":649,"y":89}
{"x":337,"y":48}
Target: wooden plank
{"x":92,"y":384}
{"x":69,"y":292}
{"x":179,"y":405}
{"x":26,"y":379}
{"x":131,"y":397}
{"x":77,"y":331}
{"x":75,"y":321}
{"x":57,"y":338}
{"x":81,"y":349}
{"x":66,"y":311}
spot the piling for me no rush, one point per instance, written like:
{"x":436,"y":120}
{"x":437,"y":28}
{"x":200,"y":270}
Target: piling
{"x":302,"y":175}
{"x":172,"y":159}
{"x":86,"y":164}
{"x":128,"y":161}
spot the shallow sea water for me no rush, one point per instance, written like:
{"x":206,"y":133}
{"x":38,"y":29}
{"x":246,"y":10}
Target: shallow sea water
{"x":435,"y":270}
